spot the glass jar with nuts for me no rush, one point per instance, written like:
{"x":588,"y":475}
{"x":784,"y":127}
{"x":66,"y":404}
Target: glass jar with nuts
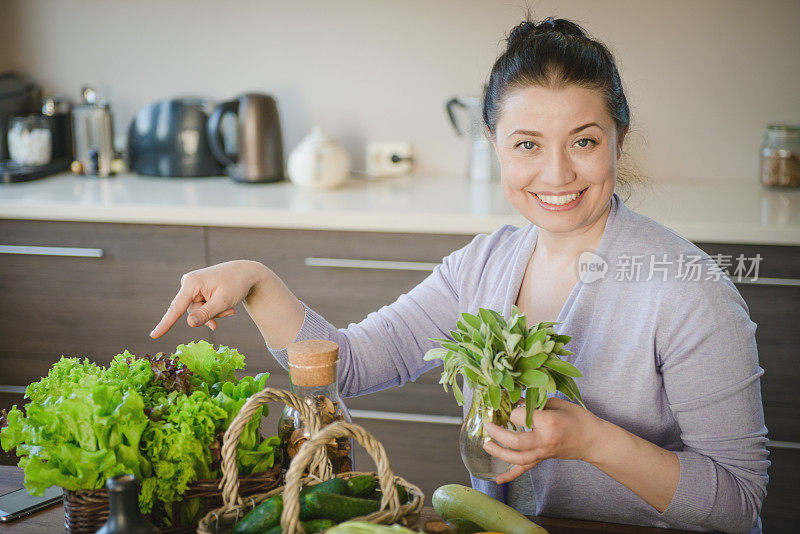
{"x":313,"y":371}
{"x":780,"y":156}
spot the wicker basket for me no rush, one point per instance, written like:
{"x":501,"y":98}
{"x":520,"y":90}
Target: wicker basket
{"x":312,"y":454}
{"x":85,"y":511}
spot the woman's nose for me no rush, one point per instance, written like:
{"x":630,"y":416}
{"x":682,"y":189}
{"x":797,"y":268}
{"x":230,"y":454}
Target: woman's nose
{"x":557,"y":169}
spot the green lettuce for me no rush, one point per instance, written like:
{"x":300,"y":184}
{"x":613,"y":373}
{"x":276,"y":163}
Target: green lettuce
{"x":86,"y":431}
{"x":160,"y":418}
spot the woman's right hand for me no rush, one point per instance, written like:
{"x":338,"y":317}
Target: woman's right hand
{"x":211,"y":293}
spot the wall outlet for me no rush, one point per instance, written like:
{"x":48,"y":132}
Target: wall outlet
{"x":388,"y":158}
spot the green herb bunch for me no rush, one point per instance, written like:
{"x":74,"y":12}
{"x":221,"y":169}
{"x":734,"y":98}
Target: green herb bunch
{"x":505,"y":358}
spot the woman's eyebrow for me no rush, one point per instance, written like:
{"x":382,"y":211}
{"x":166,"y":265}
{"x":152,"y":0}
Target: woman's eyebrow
{"x":533,"y":133}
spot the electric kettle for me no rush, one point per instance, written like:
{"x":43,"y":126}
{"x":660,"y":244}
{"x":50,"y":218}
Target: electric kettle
{"x":483,"y":164}
{"x":259,"y":156}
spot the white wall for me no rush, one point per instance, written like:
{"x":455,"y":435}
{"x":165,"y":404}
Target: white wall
{"x":703,"y":77}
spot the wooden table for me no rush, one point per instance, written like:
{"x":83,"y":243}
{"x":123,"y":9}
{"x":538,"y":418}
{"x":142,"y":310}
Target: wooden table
{"x":52,"y":519}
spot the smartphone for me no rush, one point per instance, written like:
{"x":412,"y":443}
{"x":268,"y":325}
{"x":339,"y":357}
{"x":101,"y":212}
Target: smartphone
{"x":20,"y":503}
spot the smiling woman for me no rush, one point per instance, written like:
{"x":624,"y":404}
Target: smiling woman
{"x":673,"y":430}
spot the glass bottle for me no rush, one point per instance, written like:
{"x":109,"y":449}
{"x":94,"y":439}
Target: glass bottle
{"x":124,"y":516}
{"x":780,"y":156}
{"x":474,"y":434}
{"x":313,"y":374}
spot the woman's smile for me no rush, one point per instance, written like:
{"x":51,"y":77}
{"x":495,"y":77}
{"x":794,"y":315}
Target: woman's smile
{"x":558,"y":201}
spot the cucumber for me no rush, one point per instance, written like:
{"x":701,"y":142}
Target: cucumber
{"x":311,"y":527}
{"x":262,"y":517}
{"x":454,"y":501}
{"x":362,"y":485}
{"x":268,"y":514}
{"x":334,"y":485}
{"x":402,"y":494}
{"x":340,"y":507}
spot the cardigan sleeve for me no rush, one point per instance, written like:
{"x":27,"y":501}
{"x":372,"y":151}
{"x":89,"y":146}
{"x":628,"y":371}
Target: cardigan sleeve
{"x":387,"y":347}
{"x":711,"y":378}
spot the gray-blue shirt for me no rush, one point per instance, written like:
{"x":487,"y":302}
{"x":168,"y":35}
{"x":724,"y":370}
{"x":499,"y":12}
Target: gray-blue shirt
{"x":665,"y":344}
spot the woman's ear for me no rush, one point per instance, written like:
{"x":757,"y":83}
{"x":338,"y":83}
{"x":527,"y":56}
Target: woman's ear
{"x":621,"y":140}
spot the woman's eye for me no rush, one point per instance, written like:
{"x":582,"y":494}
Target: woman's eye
{"x":584,"y":143}
{"x":527,"y":145}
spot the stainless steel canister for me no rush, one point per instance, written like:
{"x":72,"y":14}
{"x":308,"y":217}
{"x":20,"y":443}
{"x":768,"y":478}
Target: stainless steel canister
{"x":93,"y":137}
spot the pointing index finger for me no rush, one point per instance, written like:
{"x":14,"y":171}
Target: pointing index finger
{"x":176,"y":309}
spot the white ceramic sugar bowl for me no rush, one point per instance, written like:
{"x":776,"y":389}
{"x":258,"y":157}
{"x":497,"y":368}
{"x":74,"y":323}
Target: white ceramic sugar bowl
{"x":318,"y":162}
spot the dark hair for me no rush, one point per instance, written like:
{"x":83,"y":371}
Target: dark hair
{"x":554,"y":53}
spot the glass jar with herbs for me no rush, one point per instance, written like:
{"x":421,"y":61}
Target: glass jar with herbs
{"x":313,"y":372}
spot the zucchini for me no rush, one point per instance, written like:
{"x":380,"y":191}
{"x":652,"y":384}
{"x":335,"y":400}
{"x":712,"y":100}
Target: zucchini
{"x":311,"y":527}
{"x":268,"y":514}
{"x":362,"y":485}
{"x":340,"y":507}
{"x":454,"y":501}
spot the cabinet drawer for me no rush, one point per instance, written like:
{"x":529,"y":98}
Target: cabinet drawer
{"x":343,"y":275}
{"x":774,"y":310}
{"x":87,"y":306}
{"x":425,"y":454}
{"x":777,"y":261}
{"x":423,"y":397}
{"x":342,"y":294}
{"x":780,"y":513}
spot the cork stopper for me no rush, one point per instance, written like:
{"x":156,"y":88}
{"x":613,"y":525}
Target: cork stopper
{"x":312,"y":362}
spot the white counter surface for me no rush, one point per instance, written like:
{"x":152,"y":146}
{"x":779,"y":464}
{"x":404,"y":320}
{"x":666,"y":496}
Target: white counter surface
{"x":722,"y":213}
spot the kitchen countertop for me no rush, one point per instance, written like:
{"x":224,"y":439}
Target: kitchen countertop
{"x":52,"y":519}
{"x":708,"y":212}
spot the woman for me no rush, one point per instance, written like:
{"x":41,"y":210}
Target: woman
{"x":674,"y":433}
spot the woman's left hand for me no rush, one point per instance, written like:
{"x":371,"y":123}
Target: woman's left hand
{"x":562,"y":430}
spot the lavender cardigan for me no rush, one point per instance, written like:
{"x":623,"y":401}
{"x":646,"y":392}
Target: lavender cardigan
{"x":670,"y":355}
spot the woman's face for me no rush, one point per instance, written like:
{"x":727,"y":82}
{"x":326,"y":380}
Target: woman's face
{"x":554,"y":145}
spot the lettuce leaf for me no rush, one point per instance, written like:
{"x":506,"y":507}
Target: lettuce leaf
{"x":210,"y":366}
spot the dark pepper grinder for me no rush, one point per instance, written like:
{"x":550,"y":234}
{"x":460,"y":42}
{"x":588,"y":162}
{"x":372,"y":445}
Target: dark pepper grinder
{"x":124,"y":516}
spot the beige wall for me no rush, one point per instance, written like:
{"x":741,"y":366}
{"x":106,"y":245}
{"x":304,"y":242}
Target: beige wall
{"x":703,"y":77}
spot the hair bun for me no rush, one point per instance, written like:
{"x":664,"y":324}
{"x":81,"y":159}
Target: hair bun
{"x":528,"y":28}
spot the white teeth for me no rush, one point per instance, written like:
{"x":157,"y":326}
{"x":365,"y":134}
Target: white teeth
{"x":557,"y":200}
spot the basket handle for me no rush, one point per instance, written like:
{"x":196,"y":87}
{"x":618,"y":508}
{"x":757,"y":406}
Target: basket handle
{"x":230,"y":440}
{"x":290,"y":517}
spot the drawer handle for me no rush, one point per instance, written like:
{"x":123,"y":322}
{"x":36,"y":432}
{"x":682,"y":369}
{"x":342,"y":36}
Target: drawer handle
{"x":53,"y":251}
{"x":762,"y":281}
{"x":407,"y":417}
{"x":371,"y":264}
{"x":772,"y":444}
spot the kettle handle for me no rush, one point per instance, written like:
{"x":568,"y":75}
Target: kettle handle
{"x":215,"y":133}
{"x":450,"y":112}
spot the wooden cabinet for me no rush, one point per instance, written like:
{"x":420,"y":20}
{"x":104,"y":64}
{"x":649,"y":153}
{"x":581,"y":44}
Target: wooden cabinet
{"x":343,"y":276}
{"x":104,"y":298}
{"x":97,"y":305}
{"x":773,"y":299}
